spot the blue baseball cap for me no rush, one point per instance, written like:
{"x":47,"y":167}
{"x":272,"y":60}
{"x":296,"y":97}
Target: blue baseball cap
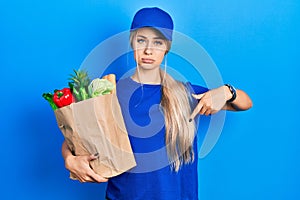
{"x":155,"y":18}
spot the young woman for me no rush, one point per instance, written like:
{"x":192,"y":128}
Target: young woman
{"x":158,"y":112}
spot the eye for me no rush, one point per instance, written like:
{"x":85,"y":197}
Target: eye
{"x":158,"y":42}
{"x":140,"y":41}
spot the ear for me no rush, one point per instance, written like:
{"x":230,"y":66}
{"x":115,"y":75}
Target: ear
{"x":168,"y":46}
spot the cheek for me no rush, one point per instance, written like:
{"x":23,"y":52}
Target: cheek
{"x":161,"y":55}
{"x":138,"y":54}
{"x":134,"y":55}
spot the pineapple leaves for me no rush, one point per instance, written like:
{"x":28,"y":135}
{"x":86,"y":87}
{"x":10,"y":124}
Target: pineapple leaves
{"x":80,"y":81}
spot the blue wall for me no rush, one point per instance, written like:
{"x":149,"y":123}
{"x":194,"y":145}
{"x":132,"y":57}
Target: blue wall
{"x":255,"y":45}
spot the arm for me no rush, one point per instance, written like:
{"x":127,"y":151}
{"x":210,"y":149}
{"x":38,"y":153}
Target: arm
{"x":215,"y":100}
{"x":80,"y":166}
{"x":242,"y":101}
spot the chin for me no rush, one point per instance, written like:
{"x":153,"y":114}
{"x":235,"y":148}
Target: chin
{"x":148,"y":66}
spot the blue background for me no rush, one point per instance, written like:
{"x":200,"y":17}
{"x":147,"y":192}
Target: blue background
{"x":255,"y":45}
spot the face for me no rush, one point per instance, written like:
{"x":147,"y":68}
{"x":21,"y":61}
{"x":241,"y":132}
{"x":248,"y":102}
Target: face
{"x":149,"y":48}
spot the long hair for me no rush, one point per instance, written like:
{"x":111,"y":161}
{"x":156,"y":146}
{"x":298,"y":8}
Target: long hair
{"x":180,"y":133}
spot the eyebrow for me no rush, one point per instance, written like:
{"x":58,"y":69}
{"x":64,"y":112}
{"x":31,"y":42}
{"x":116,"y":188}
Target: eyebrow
{"x":161,"y":38}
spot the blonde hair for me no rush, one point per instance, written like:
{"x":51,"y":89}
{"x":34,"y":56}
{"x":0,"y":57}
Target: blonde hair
{"x":180,"y":133}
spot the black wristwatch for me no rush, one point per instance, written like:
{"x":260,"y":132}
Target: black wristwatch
{"x":233,"y":92}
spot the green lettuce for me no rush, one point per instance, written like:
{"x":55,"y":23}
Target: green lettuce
{"x":100,"y":87}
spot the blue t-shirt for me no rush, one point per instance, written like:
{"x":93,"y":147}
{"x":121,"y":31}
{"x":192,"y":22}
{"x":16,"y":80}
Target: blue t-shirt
{"x":152,"y":178}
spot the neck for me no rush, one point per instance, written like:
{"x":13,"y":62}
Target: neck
{"x":147,"y":76}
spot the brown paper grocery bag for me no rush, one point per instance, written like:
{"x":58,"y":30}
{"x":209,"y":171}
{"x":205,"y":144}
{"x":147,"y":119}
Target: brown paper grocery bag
{"x":96,"y":125}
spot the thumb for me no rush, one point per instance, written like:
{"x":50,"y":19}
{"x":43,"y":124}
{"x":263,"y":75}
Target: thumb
{"x":93,"y":156}
{"x":198,"y":96}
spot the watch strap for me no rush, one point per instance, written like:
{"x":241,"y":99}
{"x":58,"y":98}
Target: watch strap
{"x":233,"y":92}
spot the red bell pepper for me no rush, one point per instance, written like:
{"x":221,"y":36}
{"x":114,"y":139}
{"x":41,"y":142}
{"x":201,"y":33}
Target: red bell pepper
{"x":63,"y":97}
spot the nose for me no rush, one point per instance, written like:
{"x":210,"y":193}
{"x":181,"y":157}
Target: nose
{"x":148,"y":50}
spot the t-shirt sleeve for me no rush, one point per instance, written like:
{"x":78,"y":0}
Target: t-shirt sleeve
{"x":197,"y":89}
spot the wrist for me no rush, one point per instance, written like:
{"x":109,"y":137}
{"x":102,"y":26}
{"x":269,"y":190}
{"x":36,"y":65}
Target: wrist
{"x":232,"y":93}
{"x":68,"y":161}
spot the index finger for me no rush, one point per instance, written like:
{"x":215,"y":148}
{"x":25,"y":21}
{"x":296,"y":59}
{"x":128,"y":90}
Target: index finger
{"x":96,"y":177}
{"x":196,"y":111}
{"x":99,"y":178}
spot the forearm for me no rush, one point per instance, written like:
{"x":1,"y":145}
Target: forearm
{"x":242,"y":101}
{"x":80,"y":165}
{"x":66,"y":152}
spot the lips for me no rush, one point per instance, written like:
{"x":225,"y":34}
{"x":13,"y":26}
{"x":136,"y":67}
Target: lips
{"x":147,"y":60}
